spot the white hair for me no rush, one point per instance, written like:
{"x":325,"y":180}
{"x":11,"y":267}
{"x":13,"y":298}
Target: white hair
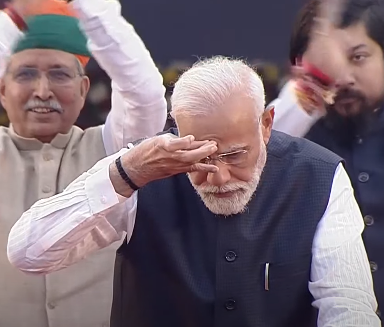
{"x":210,"y":82}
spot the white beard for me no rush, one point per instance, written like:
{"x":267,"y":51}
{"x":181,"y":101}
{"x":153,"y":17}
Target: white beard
{"x":242,"y":191}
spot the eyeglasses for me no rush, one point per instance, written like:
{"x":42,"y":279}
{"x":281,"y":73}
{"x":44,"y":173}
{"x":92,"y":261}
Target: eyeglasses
{"x":230,"y":158}
{"x":56,"y":76}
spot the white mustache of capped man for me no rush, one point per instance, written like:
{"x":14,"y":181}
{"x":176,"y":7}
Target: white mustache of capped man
{"x":37,"y":104}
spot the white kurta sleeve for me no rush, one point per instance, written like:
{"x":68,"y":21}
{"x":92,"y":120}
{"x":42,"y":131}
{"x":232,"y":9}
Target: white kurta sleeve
{"x":59,"y":231}
{"x":9,"y":35}
{"x":290,"y":118}
{"x":139,"y":108}
{"x":341,"y":281}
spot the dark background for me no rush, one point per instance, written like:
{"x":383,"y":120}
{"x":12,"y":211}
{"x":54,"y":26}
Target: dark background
{"x":179,"y":29}
{"x":177,"y":32}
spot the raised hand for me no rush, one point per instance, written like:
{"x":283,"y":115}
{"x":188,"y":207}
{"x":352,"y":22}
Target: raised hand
{"x":167,"y":155}
{"x":324,"y":54}
{"x":311,"y":95}
{"x":324,"y":50}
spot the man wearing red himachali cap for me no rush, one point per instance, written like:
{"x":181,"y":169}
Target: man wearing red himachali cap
{"x":43,"y":53}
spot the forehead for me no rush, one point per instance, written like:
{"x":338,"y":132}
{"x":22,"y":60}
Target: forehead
{"x":42,"y":58}
{"x":233,"y":123}
{"x":354,"y":36}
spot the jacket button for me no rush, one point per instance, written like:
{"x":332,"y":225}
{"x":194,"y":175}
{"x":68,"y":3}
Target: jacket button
{"x":368,"y":220}
{"x":230,"y":256}
{"x":374,"y":266}
{"x":47,"y":157}
{"x":363,"y":177}
{"x":47,"y":189}
{"x":230,"y":304}
{"x":51,"y":305}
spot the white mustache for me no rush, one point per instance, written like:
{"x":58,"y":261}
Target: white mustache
{"x":222,"y":189}
{"x":49,"y":104}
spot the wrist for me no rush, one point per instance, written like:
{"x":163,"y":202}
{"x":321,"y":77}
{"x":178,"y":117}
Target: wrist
{"x":120,"y":186}
{"x":133,"y":168}
{"x":16,"y":16}
{"x":123,"y":174}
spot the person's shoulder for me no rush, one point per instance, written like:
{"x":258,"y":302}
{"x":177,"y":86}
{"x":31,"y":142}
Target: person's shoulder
{"x":4,"y":133}
{"x":4,"y":130}
{"x":283,"y":145}
{"x":88,"y":132}
{"x":4,"y":137}
{"x":89,"y":137}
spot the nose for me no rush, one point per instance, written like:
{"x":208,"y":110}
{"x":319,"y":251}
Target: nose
{"x":43,"y":89}
{"x":221,"y":177}
{"x":345,"y":79}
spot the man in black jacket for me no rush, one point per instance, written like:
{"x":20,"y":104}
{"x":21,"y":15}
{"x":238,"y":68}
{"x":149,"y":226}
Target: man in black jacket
{"x":352,"y":127}
{"x":227,"y":224}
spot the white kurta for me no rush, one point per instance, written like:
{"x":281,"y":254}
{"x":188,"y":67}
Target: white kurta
{"x":290,"y":118}
{"x":79,"y":296}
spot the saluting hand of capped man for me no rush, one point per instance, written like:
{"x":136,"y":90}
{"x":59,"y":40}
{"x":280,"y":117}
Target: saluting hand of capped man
{"x":164,"y":156}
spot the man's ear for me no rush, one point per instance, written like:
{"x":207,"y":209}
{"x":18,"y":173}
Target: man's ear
{"x":84,"y":87}
{"x":267,"y":122}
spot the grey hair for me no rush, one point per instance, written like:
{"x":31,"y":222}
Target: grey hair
{"x":210,"y":82}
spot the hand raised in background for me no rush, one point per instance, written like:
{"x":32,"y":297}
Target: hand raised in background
{"x":323,"y":62}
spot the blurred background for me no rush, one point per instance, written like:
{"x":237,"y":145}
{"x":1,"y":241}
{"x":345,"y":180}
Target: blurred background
{"x":178,"y":32}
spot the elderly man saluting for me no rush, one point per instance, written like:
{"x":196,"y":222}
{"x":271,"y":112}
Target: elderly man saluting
{"x":43,"y":54}
{"x":228,"y":225}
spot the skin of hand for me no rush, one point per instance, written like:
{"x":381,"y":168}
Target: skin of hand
{"x":326,"y":55}
{"x":161,"y":157}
